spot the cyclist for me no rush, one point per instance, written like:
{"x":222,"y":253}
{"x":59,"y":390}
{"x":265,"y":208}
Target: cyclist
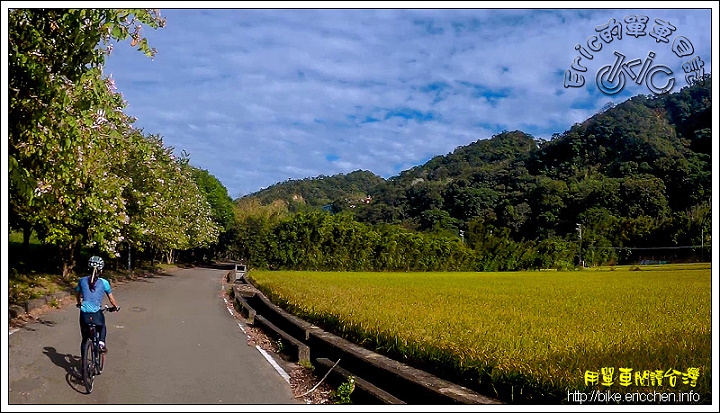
{"x":89,"y":295}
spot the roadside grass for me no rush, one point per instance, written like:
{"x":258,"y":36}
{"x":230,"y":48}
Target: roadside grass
{"x":522,"y":337}
{"x":33,"y":272}
{"x":163,"y":266}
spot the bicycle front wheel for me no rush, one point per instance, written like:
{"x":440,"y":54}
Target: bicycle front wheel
{"x":88,"y":366}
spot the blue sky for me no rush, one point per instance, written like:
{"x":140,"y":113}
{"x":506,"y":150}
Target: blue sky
{"x":259,"y":96}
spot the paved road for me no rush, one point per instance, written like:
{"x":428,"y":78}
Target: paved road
{"x":173,"y":342}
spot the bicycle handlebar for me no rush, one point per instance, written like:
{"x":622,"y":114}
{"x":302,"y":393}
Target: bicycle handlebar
{"x":107,"y":308}
{"x":110,"y":309}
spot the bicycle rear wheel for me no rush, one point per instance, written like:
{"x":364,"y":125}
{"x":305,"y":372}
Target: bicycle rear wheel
{"x":88,"y":366}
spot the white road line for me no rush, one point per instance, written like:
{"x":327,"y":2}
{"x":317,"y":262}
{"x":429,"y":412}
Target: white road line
{"x":274,"y":364}
{"x":12,"y":331}
{"x":267,"y":356}
{"x":227,"y":305}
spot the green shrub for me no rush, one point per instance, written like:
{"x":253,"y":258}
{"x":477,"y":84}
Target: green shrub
{"x":341,"y":395}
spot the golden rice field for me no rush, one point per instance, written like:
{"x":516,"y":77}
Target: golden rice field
{"x":522,"y":336}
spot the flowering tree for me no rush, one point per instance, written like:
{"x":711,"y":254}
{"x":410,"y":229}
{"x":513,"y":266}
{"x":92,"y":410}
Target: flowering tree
{"x":200,"y":228}
{"x":50,"y":52}
{"x":76,"y":200}
{"x":65,"y":123}
{"x":166,"y":209}
{"x":80,"y":174}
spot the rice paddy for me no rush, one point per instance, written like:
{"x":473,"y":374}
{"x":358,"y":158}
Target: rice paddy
{"x":522,"y":337}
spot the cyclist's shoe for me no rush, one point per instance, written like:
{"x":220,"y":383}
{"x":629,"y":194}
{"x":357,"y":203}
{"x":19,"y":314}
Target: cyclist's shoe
{"x":103,"y":347}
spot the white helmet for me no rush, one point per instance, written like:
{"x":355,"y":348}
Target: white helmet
{"x":96,"y":262}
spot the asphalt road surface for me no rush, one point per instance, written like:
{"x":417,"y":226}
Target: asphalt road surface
{"x":173,"y":342}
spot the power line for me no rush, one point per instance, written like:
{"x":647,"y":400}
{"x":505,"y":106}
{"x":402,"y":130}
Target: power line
{"x":678,"y":247}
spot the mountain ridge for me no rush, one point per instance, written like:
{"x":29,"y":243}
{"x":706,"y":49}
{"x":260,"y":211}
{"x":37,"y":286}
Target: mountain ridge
{"x":643,"y":162}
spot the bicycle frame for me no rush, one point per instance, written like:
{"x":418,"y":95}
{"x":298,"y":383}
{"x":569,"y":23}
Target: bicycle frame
{"x":93,"y":360}
{"x":98,"y":357}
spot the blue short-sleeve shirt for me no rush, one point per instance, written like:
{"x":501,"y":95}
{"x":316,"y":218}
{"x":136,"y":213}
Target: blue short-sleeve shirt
{"x":92,"y":300}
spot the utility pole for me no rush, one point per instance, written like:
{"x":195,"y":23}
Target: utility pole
{"x":579,"y":229}
{"x":702,"y":232}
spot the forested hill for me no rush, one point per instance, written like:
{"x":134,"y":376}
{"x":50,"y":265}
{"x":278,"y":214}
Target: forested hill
{"x":638,"y":173}
{"x":321,"y":190}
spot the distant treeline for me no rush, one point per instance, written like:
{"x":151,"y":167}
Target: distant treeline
{"x":321,"y":241}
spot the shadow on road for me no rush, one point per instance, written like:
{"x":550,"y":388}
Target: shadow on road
{"x":219,"y":266}
{"x":71,"y":364}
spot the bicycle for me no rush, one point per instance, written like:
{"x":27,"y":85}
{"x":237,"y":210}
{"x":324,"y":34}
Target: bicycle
{"x":93,"y":360}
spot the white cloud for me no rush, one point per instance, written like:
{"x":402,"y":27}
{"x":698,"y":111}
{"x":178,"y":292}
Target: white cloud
{"x":260,"y":96}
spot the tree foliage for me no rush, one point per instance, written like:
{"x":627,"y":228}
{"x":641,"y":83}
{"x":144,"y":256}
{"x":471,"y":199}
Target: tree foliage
{"x":346,"y":189}
{"x":53,"y":54}
{"x":80,"y":174}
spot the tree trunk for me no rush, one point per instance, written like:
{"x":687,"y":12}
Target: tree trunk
{"x":27,"y":232}
{"x":67,"y":256}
